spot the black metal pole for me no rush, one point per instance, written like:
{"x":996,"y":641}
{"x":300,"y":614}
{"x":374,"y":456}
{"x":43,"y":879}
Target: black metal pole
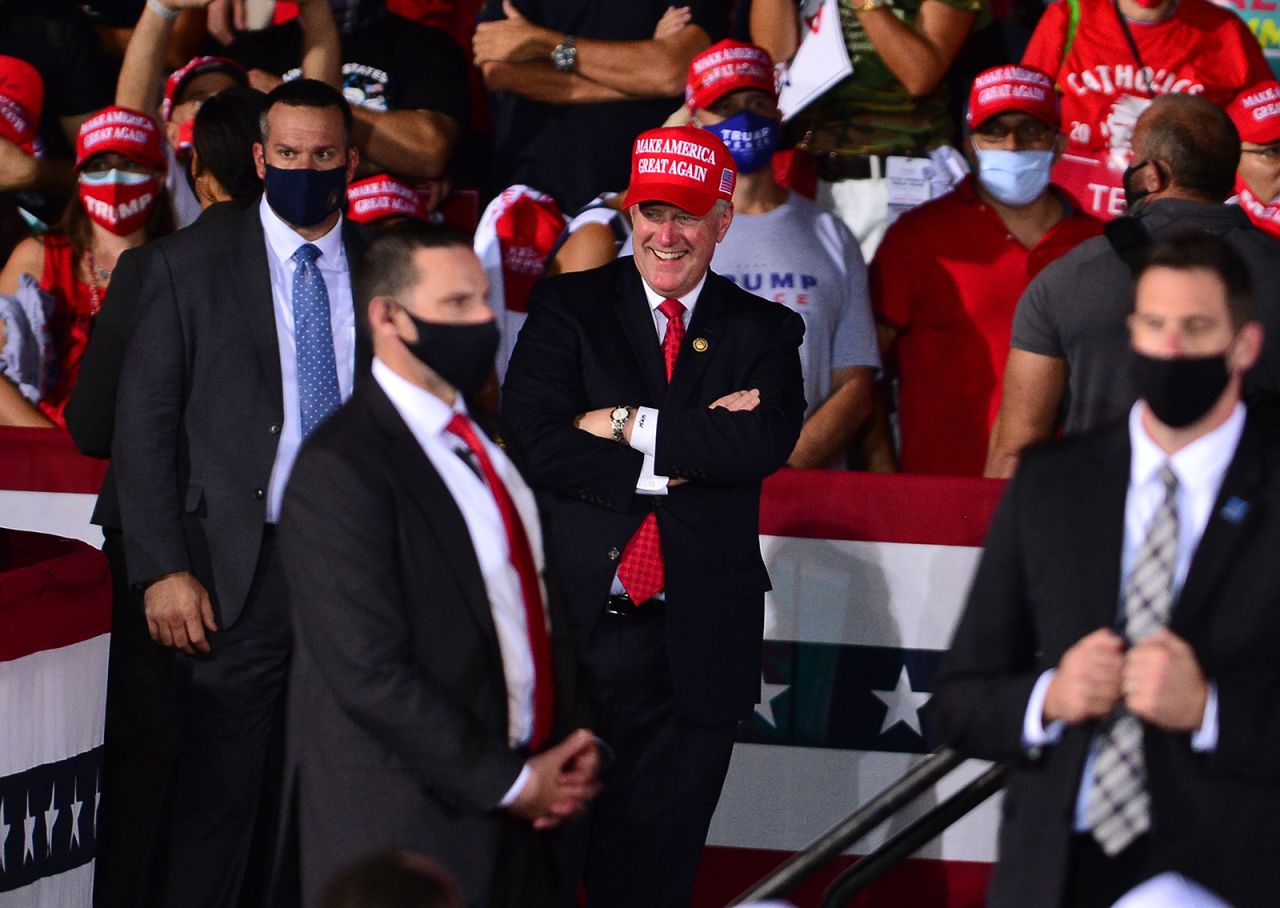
{"x":910,"y":838}
{"x":809,"y":861}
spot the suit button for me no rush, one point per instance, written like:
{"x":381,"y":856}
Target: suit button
{"x":275,"y":429}
{"x":259,"y":494}
{"x":614,"y":554}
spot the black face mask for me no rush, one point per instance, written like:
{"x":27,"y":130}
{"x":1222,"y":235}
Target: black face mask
{"x":305,"y":197}
{"x":1132,"y":195}
{"x":1182,"y":389}
{"x":460,"y":354}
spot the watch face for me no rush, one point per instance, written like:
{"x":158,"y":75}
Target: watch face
{"x":619,"y":413}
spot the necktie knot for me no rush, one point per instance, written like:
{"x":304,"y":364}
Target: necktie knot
{"x":672,"y":309}
{"x":306,"y":254}
{"x":1169,"y":480}
{"x":460,"y":426}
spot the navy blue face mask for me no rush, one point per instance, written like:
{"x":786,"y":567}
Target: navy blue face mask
{"x":305,"y":197}
{"x":750,"y":138}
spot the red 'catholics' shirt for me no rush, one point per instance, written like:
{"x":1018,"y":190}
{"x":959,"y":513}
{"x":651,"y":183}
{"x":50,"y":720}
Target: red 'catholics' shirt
{"x":1200,"y":50}
{"x":947,"y":278}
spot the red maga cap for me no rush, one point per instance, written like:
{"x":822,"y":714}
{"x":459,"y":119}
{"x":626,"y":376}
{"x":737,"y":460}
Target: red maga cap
{"x":384,"y":196}
{"x":1256,"y":113}
{"x":128,"y":132}
{"x":21,"y":101}
{"x":197,"y":66}
{"x":683,"y":166}
{"x":1019,"y":88}
{"x":728,"y":66}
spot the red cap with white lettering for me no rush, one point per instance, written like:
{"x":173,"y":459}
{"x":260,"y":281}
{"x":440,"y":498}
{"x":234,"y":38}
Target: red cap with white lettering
{"x":683,"y":166}
{"x":1020,"y":88}
{"x":128,"y":132}
{"x":21,"y":100}
{"x":383,"y":196}
{"x":197,"y":66}
{"x":1256,"y":113}
{"x":728,"y":66}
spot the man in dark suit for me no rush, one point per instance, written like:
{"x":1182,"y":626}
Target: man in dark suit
{"x":1119,"y":644}
{"x":245,"y":340}
{"x":652,"y":397}
{"x":425,"y":693}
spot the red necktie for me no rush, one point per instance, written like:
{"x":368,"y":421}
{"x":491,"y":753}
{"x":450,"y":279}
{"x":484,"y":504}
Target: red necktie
{"x":522,"y":559}
{"x":641,"y":570}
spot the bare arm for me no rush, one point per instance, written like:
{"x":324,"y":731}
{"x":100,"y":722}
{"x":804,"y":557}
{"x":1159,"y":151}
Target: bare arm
{"x":321,"y":45}
{"x":21,"y":171}
{"x":141,"y":82}
{"x":540,"y":81}
{"x":1034,"y":385}
{"x":16,"y":410}
{"x":827,"y":433}
{"x":775,"y":26}
{"x":413,"y":143}
{"x":918,"y":57}
{"x":590,"y":246}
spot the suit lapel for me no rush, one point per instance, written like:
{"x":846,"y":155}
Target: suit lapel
{"x":701,"y":341}
{"x":1100,"y":506}
{"x":418,"y":476}
{"x":632,"y":308}
{"x":1236,"y":509}
{"x":257,"y":303}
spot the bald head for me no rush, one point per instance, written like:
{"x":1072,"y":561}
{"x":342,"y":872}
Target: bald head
{"x":1195,"y":142}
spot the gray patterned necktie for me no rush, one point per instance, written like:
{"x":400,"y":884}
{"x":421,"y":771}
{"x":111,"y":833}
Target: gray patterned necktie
{"x":318,"y":392}
{"x":1118,"y":808}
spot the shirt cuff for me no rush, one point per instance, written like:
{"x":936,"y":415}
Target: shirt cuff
{"x":650,"y":483}
{"x":644,"y":434}
{"x":1034,"y":732}
{"x":517,"y":787}
{"x":1205,"y":739}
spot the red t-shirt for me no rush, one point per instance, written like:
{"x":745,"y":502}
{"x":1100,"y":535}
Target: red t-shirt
{"x":69,"y":326}
{"x":1201,"y":50}
{"x":947,"y":278}
{"x":1264,"y":216}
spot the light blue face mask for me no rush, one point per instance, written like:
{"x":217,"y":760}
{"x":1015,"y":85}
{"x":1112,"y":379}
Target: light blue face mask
{"x":1013,"y":178}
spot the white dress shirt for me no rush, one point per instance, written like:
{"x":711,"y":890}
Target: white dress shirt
{"x":427,"y":417}
{"x":1199,"y":467}
{"x":282,"y":243}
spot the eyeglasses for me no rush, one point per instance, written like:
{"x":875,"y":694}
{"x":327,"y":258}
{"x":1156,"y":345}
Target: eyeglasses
{"x":1268,"y":153}
{"x":1028,"y":131}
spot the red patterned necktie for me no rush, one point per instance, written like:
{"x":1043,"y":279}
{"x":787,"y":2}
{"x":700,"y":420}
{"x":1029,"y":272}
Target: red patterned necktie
{"x":641,"y":570}
{"x":522,"y":559}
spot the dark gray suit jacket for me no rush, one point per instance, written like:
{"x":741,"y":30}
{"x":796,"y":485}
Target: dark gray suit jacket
{"x":200,"y":409}
{"x":1050,"y":574}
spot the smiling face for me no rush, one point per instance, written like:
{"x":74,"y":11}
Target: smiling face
{"x":673,"y":248}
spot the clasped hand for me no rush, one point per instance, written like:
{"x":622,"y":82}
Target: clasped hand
{"x":562,"y":780}
{"x":1159,"y":680}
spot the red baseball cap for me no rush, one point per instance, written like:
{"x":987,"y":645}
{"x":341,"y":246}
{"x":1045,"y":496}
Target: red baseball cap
{"x":683,"y":166}
{"x":197,"y":66}
{"x":1256,"y":113}
{"x":128,"y":132}
{"x":384,"y":196}
{"x":1021,"y":88}
{"x":728,"y":66}
{"x":21,"y":101}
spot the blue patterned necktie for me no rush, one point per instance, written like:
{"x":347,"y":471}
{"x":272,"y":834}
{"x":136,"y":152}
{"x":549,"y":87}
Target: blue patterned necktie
{"x":318,"y":393}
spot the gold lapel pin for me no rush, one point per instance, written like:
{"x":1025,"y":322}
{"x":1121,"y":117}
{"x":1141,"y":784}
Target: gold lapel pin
{"x":700,"y":345}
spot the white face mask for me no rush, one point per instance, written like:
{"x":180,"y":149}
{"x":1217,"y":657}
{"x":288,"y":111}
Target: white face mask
{"x":114,"y":177}
{"x":1013,"y":178}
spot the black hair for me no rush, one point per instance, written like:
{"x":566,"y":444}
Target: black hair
{"x":387,"y":267}
{"x":225,"y":129}
{"x":1195,"y":250}
{"x":306,"y":93}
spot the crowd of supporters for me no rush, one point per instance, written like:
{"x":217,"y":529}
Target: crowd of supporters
{"x":531,"y":109}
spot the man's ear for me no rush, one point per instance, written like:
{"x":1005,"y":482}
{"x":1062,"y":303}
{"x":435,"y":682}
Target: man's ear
{"x":1247,"y":348}
{"x":353,"y":161}
{"x":260,"y":160}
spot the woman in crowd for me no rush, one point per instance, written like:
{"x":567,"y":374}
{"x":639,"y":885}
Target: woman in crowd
{"x":121,"y":203}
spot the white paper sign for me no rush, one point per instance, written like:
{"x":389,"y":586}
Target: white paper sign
{"x":820,"y":62}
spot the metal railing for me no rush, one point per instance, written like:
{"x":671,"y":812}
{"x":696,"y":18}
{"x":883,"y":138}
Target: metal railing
{"x":874,"y":865}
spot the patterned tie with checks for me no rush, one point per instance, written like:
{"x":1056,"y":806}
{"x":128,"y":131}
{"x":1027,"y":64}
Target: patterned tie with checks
{"x":1118,"y":807}
{"x":318,"y":393}
{"x":535,"y":616}
{"x":641,"y":570}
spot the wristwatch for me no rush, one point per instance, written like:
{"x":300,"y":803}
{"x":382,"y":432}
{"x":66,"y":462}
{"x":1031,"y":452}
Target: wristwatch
{"x":866,"y":6}
{"x":618,"y":417}
{"x":565,"y":55}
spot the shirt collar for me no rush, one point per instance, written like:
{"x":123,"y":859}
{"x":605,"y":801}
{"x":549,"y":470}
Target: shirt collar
{"x":1200,"y":463}
{"x":689,"y":300}
{"x":423,"y":411}
{"x":284,"y":241}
